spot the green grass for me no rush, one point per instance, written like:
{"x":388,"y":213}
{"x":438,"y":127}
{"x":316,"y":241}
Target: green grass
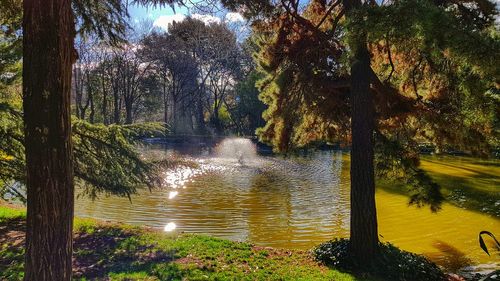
{"x":121,"y":252}
{"x":465,"y":182}
{"x":7,"y":214}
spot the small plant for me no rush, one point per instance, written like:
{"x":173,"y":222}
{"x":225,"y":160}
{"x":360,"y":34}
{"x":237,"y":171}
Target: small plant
{"x":495,"y":274}
{"x":483,"y":245}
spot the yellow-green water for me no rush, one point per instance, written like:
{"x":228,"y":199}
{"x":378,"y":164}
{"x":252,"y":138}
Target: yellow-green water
{"x":301,"y":201}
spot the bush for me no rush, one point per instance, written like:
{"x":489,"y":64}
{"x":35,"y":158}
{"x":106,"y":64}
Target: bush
{"x":390,"y":264}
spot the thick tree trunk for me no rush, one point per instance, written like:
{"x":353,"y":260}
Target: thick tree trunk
{"x":364,"y":233}
{"x":364,"y":229}
{"x":48,"y":53}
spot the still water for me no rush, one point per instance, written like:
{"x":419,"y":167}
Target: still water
{"x":300,"y":201}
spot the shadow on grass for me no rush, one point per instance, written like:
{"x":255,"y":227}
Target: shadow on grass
{"x":112,"y":250}
{"x":108,"y":251}
{"x":104,"y":251}
{"x":457,"y":191}
{"x":12,"y":249}
{"x":391,"y":263}
{"x":463,"y":193}
{"x":486,"y":163}
{"x":459,"y":166}
{"x":449,"y":257}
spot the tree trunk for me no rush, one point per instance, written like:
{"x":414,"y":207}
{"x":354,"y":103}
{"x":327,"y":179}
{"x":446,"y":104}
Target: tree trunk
{"x":200,"y":118}
{"x":92,"y":108}
{"x":174,"y":115}
{"x":199,"y":112}
{"x":77,"y":92}
{"x":216,"y":121}
{"x":116,"y":104}
{"x":165,"y":108}
{"x":363,"y":230}
{"x":128,"y":112}
{"x":104,"y":109}
{"x":48,"y":53}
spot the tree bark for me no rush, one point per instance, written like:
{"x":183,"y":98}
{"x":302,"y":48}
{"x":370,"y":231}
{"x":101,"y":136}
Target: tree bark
{"x":77,"y":92}
{"x":92,"y":108}
{"x":128,"y":112}
{"x":90,"y":96}
{"x":363,"y":229}
{"x":104,"y":109}
{"x":48,"y":53}
{"x":116,"y":107}
{"x":174,"y":115}
{"x":199,"y":111}
{"x":200,"y":117}
{"x":165,"y":107}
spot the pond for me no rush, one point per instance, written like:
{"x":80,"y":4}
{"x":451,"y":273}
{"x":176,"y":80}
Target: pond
{"x":302,"y":200}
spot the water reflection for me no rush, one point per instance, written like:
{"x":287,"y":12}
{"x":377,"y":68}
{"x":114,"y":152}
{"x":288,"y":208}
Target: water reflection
{"x":172,"y":194}
{"x":171,"y":226}
{"x":292,"y":202}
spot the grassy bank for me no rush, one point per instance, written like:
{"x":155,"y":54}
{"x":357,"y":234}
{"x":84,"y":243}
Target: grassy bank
{"x":104,"y":251}
{"x":465,"y":182}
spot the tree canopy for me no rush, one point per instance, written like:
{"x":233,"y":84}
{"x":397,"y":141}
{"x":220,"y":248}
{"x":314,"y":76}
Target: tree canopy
{"x":383,"y":78}
{"x":434,"y":79}
{"x":112,"y":148}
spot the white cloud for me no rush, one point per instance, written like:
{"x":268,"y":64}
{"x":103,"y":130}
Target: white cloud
{"x":207,"y":19}
{"x":234,"y":17}
{"x":164,"y":21}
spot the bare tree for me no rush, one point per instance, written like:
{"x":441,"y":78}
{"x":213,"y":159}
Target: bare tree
{"x":176,"y":71}
{"x":82,"y":87}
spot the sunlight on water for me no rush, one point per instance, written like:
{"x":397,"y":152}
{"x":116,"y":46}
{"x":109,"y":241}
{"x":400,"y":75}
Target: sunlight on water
{"x":301,"y":201}
{"x":178,"y":177}
{"x":172,"y":194}
{"x":170,"y":227}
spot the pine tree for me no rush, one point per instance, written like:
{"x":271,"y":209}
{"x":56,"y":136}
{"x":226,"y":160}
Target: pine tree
{"x":381,"y":77}
{"x":48,"y":53}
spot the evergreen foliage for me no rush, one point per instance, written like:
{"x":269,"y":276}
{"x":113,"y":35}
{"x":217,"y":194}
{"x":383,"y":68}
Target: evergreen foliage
{"x":10,"y":46}
{"x":106,"y":159}
{"x":248,"y":110}
{"x":390,"y":264}
{"x":434,"y":79}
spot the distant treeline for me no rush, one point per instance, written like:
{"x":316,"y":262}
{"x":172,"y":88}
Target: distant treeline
{"x":197,"y":78}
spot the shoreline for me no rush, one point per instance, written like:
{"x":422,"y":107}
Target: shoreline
{"x":113,"y":251}
{"x":93,"y":236}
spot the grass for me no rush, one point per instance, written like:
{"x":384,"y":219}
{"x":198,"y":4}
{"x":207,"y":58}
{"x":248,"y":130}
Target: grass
{"x":463,"y":177}
{"x":104,"y":251}
{"x":465,"y":182}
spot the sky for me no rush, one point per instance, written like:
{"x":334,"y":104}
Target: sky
{"x":163,"y":16}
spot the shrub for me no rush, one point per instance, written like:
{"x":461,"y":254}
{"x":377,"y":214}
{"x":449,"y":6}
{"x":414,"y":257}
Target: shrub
{"x":390,"y":264}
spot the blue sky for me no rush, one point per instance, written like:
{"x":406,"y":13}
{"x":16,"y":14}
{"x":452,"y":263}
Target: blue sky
{"x":141,"y":12}
{"x":163,"y":16}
